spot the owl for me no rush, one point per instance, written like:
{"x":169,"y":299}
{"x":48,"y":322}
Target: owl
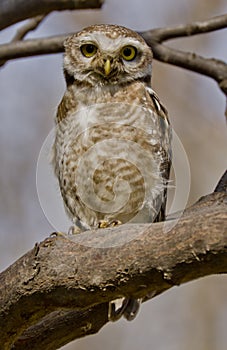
{"x":112,"y":148}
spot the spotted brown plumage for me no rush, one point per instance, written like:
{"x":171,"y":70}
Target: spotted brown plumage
{"x":112,"y":140}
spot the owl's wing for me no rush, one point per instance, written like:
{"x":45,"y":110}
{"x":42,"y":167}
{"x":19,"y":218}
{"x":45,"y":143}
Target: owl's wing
{"x":131,"y":306}
{"x":162,"y":113}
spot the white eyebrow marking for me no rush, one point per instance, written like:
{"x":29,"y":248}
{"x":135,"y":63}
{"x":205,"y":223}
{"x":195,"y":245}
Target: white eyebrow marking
{"x":110,"y":45}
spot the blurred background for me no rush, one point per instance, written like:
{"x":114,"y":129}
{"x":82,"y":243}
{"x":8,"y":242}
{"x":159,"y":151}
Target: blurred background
{"x":192,"y":316}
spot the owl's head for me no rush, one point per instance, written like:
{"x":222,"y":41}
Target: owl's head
{"x":106,"y":54}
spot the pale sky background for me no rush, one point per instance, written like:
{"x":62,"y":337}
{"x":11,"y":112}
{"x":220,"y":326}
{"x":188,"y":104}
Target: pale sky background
{"x":192,"y":316}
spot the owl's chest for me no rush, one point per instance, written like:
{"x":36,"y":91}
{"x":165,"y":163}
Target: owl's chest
{"x":109,"y":144}
{"x":110,"y":110}
{"x":111,"y":123}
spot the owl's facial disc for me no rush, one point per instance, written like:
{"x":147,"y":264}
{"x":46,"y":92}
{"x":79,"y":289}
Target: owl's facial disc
{"x":102,"y":57}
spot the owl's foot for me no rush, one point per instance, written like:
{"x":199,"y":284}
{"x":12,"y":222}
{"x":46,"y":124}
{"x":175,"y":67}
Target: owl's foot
{"x":74,"y":230}
{"x":116,"y":309}
{"x":115,"y":223}
{"x":58,"y":234}
{"x":132,"y":309}
{"x":123,"y":307}
{"x":105,"y":223}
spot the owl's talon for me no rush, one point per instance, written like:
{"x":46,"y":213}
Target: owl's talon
{"x":115,"y":223}
{"x":132,"y":308}
{"x":117,"y":308}
{"x":105,"y":223}
{"x":74,"y":230}
{"x":58,"y":234}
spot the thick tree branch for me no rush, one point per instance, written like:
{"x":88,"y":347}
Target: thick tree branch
{"x":60,"y":327}
{"x":12,"y":11}
{"x":60,"y":290}
{"x":65,"y":273}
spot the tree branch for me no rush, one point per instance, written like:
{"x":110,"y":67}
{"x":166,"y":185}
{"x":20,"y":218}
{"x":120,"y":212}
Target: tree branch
{"x":73,"y":272}
{"x":206,"y":26}
{"x":212,"y":68}
{"x":32,"y":47}
{"x":32,"y":24}
{"x":61,"y":327}
{"x":12,"y":11}
{"x":60,"y":290}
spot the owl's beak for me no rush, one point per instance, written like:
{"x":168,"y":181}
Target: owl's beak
{"x":107,"y":67}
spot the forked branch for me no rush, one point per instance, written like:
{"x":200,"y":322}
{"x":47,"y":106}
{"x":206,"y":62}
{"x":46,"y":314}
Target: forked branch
{"x":212,"y":68}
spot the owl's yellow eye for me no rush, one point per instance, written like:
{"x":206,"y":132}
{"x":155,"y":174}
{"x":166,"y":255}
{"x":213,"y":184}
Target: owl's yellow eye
{"x":128,"y":53}
{"x":88,"y":50}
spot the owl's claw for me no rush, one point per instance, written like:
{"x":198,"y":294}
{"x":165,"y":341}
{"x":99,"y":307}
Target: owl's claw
{"x":74,"y":230}
{"x":116,"y":309}
{"x":132,"y":309}
{"x":126,"y":307}
{"x":58,"y":234}
{"x":105,"y":223}
{"x":115,"y":223}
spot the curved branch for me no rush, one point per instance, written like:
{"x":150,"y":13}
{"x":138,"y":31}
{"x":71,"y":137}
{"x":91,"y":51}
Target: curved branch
{"x":73,"y":272}
{"x":12,"y":11}
{"x":212,"y":68}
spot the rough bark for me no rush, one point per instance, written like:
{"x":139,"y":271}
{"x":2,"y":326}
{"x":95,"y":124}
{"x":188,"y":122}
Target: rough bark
{"x":85,"y":271}
{"x":59,"y":291}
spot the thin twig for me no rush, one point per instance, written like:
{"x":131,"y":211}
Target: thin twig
{"x":210,"y":25}
{"x":32,"y":24}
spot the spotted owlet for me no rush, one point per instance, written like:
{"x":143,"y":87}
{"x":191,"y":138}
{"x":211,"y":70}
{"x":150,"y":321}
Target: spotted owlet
{"x":112,"y":139}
